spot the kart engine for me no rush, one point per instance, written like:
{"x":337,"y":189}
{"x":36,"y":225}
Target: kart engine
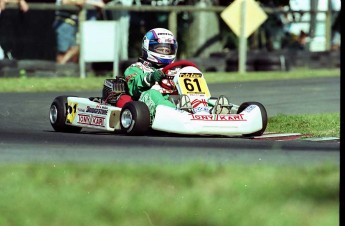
{"x":112,"y":90}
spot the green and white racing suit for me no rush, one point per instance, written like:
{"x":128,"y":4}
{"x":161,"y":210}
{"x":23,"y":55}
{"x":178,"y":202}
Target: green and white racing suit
{"x":142,"y":88}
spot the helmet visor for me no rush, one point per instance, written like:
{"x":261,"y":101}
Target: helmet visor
{"x":163,"y":48}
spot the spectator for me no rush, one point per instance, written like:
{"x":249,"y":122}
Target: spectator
{"x":336,"y":33}
{"x":274,"y":27}
{"x":66,"y":28}
{"x":123,"y":19}
{"x":22,"y":5}
{"x":298,"y":42}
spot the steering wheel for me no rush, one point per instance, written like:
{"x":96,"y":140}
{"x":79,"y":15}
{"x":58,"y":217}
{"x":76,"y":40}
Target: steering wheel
{"x":181,"y":63}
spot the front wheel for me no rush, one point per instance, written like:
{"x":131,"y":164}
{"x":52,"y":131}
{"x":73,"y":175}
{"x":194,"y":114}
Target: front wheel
{"x":135,"y":118}
{"x":263,"y":116}
{"x":57,"y":116}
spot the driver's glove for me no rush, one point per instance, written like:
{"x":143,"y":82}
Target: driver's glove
{"x":155,"y":76}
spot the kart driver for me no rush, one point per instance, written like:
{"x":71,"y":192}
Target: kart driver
{"x":145,"y":79}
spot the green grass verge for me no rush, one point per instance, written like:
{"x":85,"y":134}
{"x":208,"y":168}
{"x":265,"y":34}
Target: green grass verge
{"x":34,"y":84}
{"x":271,"y":75}
{"x":193,"y":194}
{"x":311,"y":125}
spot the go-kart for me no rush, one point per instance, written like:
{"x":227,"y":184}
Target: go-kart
{"x":196,"y":112}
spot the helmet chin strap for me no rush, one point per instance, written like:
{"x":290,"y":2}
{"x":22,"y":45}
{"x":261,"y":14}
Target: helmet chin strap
{"x":145,"y":62}
{"x":159,"y":65}
{"x":151,"y":64}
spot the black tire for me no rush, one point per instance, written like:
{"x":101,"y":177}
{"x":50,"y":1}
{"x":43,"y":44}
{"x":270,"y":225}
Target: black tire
{"x":263,"y":116}
{"x":58,"y":114}
{"x":272,"y":63}
{"x":135,"y":118}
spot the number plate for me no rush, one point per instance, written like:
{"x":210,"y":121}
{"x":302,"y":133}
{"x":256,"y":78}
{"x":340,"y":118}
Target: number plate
{"x":193,"y":83}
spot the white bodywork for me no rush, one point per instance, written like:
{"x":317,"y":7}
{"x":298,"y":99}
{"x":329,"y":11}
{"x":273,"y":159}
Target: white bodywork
{"x":182,"y":122}
{"x":89,"y":114}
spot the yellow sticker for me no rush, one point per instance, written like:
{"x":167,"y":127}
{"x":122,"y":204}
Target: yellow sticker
{"x":71,"y":112}
{"x":193,"y":83}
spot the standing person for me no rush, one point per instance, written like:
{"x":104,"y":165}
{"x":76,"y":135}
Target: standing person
{"x":22,"y":5}
{"x":66,"y":29}
{"x":275,"y":25}
{"x":336,"y":33}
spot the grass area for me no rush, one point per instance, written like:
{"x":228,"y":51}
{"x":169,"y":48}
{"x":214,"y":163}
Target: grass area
{"x":311,"y":125}
{"x":271,"y":75}
{"x":193,"y":194}
{"x":35,"y":84}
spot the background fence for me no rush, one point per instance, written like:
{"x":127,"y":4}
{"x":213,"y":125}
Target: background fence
{"x":20,"y":33}
{"x":31,"y":36}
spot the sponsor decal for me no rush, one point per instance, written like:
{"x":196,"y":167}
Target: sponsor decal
{"x":190,"y":75}
{"x":197,"y":95}
{"x":197,"y":102}
{"x":237,"y":117}
{"x":164,"y":34}
{"x":171,"y":73}
{"x":166,"y":40}
{"x":97,"y":110}
{"x":145,"y":66}
{"x":146,"y":98}
{"x":201,"y":109}
{"x":91,"y":120}
{"x":102,"y":106}
{"x":250,"y":108}
{"x":130,"y":76}
{"x":71,"y":111}
{"x":84,"y":119}
{"x":108,"y":83}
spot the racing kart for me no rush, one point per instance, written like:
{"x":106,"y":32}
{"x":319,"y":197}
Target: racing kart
{"x":196,"y":112}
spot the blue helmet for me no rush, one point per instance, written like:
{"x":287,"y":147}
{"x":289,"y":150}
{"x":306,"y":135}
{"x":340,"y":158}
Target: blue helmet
{"x":159,"y":47}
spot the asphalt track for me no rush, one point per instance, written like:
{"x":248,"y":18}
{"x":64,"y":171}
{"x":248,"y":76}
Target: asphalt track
{"x":27,"y":136}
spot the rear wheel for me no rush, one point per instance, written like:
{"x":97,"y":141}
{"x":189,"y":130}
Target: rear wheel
{"x":263,"y":116}
{"x":135,"y":118}
{"x":57,"y":116}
